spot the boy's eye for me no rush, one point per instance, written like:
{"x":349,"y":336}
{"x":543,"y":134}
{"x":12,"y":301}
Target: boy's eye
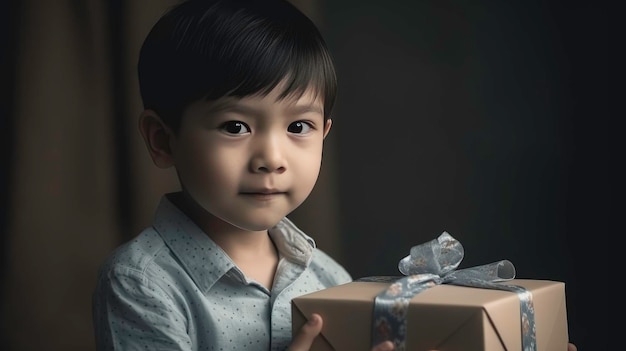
{"x":235,"y":127}
{"x":299,"y":127}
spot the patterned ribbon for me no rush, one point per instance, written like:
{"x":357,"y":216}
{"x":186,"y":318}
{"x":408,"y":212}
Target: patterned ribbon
{"x":435,"y":263}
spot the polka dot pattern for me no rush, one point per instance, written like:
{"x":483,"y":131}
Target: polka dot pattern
{"x":173,"y":288}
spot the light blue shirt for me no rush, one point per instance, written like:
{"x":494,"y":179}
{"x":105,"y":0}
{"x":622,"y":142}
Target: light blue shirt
{"x":173,"y":288}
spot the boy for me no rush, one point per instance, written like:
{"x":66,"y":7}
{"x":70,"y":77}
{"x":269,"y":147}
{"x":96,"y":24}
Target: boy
{"x":237,"y":97}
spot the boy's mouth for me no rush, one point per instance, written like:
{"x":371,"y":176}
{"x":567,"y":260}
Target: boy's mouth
{"x":263,"y":195}
{"x":263,"y":192}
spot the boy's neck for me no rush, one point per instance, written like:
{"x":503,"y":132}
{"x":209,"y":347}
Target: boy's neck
{"x":223,"y":233}
{"x":253,"y":252}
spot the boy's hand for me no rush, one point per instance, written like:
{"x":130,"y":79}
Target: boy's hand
{"x":306,"y":335}
{"x":384,"y":346}
{"x":304,"y":339}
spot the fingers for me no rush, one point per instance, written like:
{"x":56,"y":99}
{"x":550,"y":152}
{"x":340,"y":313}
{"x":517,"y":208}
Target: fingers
{"x":304,"y":339}
{"x":571,"y":347}
{"x":384,"y":346}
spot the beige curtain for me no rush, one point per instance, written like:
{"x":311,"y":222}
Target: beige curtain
{"x":64,"y":198}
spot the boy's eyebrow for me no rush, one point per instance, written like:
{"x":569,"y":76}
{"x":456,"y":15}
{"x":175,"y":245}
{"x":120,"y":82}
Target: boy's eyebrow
{"x":306,"y":108}
{"x":235,"y":106}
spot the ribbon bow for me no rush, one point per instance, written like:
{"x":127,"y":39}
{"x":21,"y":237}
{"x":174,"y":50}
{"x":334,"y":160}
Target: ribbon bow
{"x":435,"y":263}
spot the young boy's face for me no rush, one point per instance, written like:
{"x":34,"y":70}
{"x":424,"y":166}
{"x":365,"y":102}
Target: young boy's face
{"x":251,"y":161}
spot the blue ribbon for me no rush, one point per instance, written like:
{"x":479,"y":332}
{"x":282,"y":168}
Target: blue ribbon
{"x":435,"y":263}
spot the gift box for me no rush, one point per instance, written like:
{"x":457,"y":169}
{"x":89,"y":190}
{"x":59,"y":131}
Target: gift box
{"x":436,"y":307}
{"x":444,"y":317}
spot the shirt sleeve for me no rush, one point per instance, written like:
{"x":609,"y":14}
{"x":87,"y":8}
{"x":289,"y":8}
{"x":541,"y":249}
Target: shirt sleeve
{"x":130,"y":312}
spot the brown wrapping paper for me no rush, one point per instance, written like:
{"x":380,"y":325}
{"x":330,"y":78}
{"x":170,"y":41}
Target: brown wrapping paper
{"x":445,"y":317}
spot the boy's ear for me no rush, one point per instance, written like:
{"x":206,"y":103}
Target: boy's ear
{"x":327,"y":125}
{"x":158,"y":137}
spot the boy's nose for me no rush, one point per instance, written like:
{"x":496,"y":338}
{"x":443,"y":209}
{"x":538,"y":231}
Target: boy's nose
{"x":268,"y":157}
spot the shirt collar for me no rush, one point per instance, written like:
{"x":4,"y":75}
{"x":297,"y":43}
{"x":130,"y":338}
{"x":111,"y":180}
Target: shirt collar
{"x":204,"y":260}
{"x":292,"y":243}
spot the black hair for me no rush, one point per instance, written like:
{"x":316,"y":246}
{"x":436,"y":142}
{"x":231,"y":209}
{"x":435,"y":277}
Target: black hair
{"x":208,"y":49}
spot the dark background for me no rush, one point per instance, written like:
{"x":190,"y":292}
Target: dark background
{"x":485,"y":119}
